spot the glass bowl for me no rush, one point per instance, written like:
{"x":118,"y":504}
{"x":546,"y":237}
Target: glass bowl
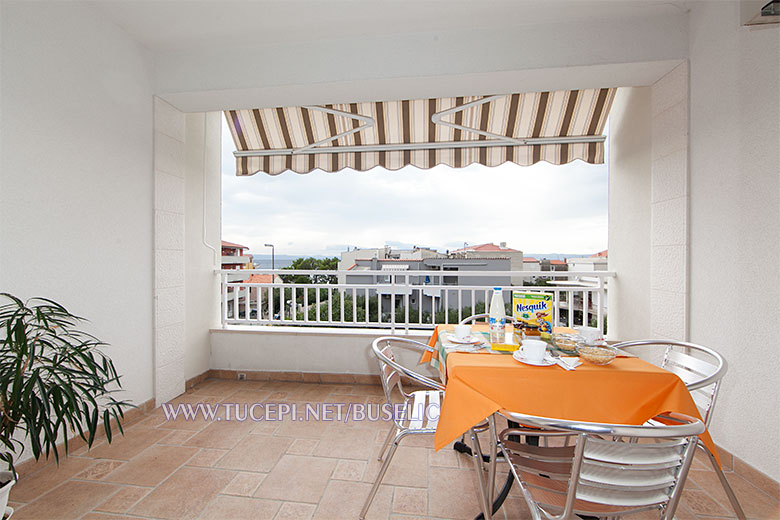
{"x":567,"y":342}
{"x":597,"y":354}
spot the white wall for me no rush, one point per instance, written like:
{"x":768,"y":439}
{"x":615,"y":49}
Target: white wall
{"x":76,"y":175}
{"x":297,"y":349}
{"x":735,"y":223}
{"x":629,"y":214}
{"x":203,"y":290}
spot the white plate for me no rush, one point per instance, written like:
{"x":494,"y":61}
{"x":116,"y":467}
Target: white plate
{"x":545,"y":362}
{"x":470,"y":340}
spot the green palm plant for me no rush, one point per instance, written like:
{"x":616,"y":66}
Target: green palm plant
{"x":54,"y":380}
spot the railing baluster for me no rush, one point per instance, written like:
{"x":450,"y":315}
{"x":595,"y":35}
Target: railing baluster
{"x":433,"y":304}
{"x":407,"y":298}
{"x":446,"y":305}
{"x":342,"y":294}
{"x":460,"y":304}
{"x":236,"y":292}
{"x":305,"y":302}
{"x":354,"y":306}
{"x":246,"y":302}
{"x":600,"y":308}
{"x":294,"y":303}
{"x":317,"y":319}
{"x":330,"y":304}
{"x":557,"y":308}
{"x":570,"y":299}
{"x":367,"y":313}
{"x":585,"y":304}
{"x":224,"y":298}
{"x":392,"y":302}
{"x":282,"y":303}
{"x":420,"y":307}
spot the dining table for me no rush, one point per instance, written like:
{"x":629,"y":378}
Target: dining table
{"x":479,"y":383}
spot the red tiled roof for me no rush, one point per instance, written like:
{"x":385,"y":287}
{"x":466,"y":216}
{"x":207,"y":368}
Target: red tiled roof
{"x":557,"y":262}
{"x":529,"y":259}
{"x":260,"y":278}
{"x":602,"y":253}
{"x":486,"y":247}
{"x":351,"y":268}
{"x":225,"y":243}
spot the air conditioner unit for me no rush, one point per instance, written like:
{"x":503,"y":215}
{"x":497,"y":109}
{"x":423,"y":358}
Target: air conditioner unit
{"x":760,"y":12}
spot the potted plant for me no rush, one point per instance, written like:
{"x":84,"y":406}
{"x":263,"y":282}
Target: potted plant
{"x":55,"y":382}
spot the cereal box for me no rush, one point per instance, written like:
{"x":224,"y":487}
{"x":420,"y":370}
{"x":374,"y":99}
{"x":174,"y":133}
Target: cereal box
{"x":535,"y":309}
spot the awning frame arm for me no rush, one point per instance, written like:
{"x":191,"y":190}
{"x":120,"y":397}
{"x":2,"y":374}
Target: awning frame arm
{"x":502,"y":140}
{"x":395,"y":147}
{"x":369,"y":122}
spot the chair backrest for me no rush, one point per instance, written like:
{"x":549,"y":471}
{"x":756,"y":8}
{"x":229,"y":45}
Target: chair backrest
{"x":699,"y":367}
{"x":609,"y":466}
{"x":473,"y":318}
{"x":390,"y":371}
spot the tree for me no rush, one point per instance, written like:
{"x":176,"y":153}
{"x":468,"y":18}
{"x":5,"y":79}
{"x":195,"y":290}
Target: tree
{"x":312,"y":264}
{"x":309,"y":264}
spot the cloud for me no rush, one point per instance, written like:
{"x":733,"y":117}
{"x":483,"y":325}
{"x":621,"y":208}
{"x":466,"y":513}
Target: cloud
{"x":538,"y":208}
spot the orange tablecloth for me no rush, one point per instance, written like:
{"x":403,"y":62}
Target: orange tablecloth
{"x":627,"y":391}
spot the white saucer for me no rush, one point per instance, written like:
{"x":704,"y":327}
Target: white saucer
{"x":469,"y":340}
{"x":547,"y":361}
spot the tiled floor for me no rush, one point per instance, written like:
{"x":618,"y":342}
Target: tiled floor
{"x":289,"y":469}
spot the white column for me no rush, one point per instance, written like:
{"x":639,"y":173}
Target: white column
{"x":669,"y":296}
{"x":169,"y":310}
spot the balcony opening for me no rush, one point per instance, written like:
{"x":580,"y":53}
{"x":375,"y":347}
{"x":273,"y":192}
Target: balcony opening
{"x":410,"y":211}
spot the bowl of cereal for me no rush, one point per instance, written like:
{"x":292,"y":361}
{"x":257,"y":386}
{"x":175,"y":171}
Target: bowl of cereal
{"x":567,"y":342}
{"x":597,"y":354}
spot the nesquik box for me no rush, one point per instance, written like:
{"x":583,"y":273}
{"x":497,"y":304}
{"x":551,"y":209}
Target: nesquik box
{"x":534,"y":309}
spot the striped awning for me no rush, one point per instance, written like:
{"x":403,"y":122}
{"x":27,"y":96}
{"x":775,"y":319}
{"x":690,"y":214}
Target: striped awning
{"x":524,"y":128}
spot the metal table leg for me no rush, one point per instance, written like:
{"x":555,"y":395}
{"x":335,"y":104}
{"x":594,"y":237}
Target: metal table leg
{"x":491,"y":484}
{"x":478,"y":472}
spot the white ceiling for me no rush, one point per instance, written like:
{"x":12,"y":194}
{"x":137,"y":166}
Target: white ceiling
{"x":171,"y":25}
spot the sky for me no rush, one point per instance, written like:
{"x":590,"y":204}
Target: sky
{"x":540,"y":208}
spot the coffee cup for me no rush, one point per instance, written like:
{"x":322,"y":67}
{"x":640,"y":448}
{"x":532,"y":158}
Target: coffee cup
{"x":592,"y":335}
{"x":534,"y":349}
{"x":462,"y":332}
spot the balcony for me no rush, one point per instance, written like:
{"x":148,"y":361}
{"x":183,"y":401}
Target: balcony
{"x":111,"y":200}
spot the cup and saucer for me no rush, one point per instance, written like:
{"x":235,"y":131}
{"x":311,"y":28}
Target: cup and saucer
{"x":461,"y":335}
{"x":534,"y":353}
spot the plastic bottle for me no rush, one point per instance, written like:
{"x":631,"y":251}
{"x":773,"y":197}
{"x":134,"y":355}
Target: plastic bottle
{"x":497,"y":316}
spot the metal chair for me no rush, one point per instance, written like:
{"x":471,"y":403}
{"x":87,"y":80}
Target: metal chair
{"x":414,"y":419}
{"x":600,"y":474}
{"x":473,"y":318}
{"x":701,"y":369}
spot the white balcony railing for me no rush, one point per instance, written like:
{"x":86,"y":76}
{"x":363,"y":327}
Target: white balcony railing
{"x":407,"y":300}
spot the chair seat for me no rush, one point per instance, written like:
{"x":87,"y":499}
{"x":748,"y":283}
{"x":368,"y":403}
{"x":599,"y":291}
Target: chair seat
{"x":421,"y":411}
